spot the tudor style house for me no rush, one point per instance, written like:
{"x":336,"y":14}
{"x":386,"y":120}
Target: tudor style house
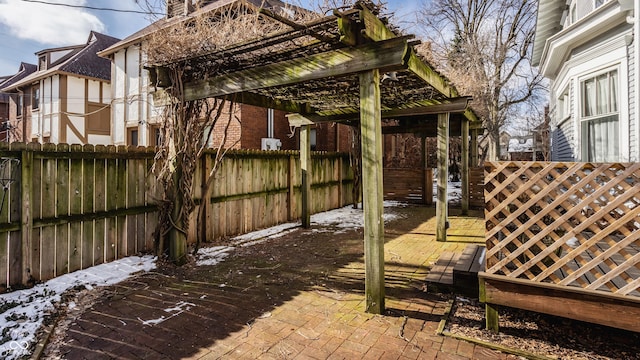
{"x":589,"y":50}
{"x":136,"y":121}
{"x":66,"y":99}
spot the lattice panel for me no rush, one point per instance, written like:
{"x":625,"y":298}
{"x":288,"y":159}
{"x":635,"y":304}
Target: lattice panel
{"x":573,"y":224}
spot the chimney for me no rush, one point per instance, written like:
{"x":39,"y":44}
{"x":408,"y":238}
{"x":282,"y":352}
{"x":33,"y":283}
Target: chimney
{"x":179,"y":7}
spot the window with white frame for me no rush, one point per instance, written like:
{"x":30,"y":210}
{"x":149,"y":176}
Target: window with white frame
{"x":563,"y":106}
{"x":600,"y":117}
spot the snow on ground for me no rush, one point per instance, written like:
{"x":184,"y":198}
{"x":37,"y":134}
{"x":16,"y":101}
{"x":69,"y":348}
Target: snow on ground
{"x":22,"y":312}
{"x":337,"y":220}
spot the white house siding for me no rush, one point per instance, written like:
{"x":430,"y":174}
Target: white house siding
{"x":49,"y":111}
{"x":118,"y":85}
{"x":132,"y":103}
{"x":75,"y":110}
{"x":634,"y":141}
{"x":132,"y":86}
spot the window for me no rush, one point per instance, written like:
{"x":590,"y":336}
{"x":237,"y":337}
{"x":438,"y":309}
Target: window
{"x":42,"y":63}
{"x":599,"y":3}
{"x":563,"y":107}
{"x":599,"y":117}
{"x":133,"y":137}
{"x":35,"y":97}
{"x":573,"y":13}
{"x":99,"y":119}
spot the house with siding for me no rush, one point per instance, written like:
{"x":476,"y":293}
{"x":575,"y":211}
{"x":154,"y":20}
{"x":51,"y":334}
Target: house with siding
{"x":67,"y":99}
{"x":589,"y":50}
{"x":136,"y":120}
{"x":13,"y":102}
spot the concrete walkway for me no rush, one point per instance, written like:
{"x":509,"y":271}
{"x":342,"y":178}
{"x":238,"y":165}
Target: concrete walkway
{"x":299,"y":296}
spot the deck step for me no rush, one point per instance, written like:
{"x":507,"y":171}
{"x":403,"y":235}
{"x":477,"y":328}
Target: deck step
{"x":455,"y":272}
{"x":440,"y":277}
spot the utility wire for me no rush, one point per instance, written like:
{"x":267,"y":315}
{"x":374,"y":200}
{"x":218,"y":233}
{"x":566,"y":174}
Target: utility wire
{"x":94,"y":8}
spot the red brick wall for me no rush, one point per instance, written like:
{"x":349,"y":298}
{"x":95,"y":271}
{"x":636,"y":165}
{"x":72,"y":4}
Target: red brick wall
{"x":329,"y":136}
{"x":20,"y":126}
{"x":233,"y":133}
{"x":254,"y":126}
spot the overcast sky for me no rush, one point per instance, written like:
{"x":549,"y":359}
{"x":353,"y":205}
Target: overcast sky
{"x":27,"y":27}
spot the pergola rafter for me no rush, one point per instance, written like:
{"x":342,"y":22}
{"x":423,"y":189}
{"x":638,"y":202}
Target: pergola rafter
{"x":348,"y":67}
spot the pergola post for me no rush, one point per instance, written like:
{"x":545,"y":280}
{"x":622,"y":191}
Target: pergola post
{"x":305,"y":165}
{"x":371,"y":138}
{"x":443,"y":176}
{"x":427,"y":174}
{"x":465,"y":166}
{"x":474,"y":147}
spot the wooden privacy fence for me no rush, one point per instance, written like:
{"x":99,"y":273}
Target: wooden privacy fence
{"x":257,"y":189}
{"x":73,"y":207}
{"x":564,"y":227}
{"x":408,"y":184}
{"x":476,"y":187}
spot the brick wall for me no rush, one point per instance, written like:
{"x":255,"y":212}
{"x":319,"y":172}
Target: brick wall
{"x":233,"y":133}
{"x":254,"y":126}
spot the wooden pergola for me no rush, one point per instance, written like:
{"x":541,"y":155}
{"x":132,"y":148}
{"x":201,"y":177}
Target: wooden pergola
{"x":330,"y":70}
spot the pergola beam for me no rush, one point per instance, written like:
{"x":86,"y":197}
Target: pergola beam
{"x":388,"y":55}
{"x":456,"y":106}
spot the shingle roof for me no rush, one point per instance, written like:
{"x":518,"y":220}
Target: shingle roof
{"x":25,"y":70}
{"x":82,"y":61}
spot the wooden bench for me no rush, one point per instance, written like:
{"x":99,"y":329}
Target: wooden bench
{"x":455,"y":272}
{"x":440,"y":277}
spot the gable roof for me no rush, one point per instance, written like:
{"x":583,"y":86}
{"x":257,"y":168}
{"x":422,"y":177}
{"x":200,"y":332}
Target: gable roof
{"x":81,"y":60}
{"x":547,"y":24}
{"x":211,"y":6}
{"x":25,"y":70}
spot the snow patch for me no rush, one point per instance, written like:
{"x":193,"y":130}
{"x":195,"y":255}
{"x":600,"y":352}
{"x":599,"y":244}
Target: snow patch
{"x":22,"y":312}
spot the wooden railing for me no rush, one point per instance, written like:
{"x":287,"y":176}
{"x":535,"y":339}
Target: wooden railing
{"x":572,"y":224}
{"x":73,"y":207}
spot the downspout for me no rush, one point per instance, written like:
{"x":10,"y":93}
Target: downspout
{"x":24,"y":117}
{"x":636,"y":80}
{"x":634,"y":20}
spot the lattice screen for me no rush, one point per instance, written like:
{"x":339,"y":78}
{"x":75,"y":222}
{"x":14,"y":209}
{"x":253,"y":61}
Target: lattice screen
{"x":572,"y":224}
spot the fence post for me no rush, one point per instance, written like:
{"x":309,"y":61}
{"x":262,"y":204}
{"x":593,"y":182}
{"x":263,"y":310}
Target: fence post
{"x":290,"y":194}
{"x":305,"y":166}
{"x":340,"y":200}
{"x":26,"y":218}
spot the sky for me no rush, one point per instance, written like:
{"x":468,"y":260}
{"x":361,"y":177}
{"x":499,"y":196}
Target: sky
{"x":28,"y":26}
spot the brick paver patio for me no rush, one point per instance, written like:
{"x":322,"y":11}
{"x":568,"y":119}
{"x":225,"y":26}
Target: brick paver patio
{"x":295,"y":297}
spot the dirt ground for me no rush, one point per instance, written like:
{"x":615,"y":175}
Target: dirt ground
{"x":544,"y":335}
